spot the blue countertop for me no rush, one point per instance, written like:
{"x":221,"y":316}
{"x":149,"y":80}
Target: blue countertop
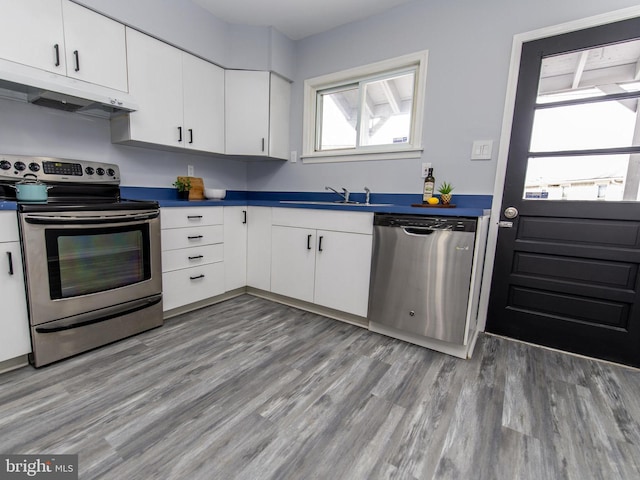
{"x":466,"y":205}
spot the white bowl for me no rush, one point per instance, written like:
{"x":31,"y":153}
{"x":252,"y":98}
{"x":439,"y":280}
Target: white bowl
{"x":215,"y":193}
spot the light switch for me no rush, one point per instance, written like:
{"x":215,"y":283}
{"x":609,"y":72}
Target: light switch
{"x":482,"y":150}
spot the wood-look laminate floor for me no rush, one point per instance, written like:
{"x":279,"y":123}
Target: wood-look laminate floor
{"x":250,"y":389}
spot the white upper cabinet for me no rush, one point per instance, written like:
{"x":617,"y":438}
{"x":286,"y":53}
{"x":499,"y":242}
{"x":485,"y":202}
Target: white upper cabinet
{"x":30,"y":39}
{"x":279,"y":104}
{"x":203,"y":86}
{"x":180,"y":98}
{"x":256,"y":114}
{"x":95,"y":47}
{"x":64,"y":38}
{"x":155,"y":81}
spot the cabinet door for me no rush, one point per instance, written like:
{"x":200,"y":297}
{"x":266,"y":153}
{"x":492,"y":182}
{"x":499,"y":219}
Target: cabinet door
{"x":293,"y":255}
{"x":235,"y":247}
{"x":14,"y":324}
{"x":30,"y":31}
{"x":259,"y":248}
{"x":155,"y":80}
{"x":343,"y":267}
{"x":95,"y":47}
{"x":203,"y":104}
{"x":280,"y":95}
{"x":246,"y":112}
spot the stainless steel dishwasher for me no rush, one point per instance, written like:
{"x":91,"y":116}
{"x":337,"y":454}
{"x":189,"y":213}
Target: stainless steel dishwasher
{"x":421,"y":274}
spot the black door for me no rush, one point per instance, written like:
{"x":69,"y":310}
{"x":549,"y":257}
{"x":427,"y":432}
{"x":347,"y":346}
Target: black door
{"x":566,"y":272}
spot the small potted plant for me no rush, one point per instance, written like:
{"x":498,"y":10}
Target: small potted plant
{"x":445,"y":192}
{"x":183,"y":184}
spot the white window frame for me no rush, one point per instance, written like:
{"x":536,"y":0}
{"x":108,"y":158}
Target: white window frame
{"x":312,"y":86}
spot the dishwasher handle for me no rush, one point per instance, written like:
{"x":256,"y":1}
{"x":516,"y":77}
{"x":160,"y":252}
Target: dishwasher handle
{"x":418,"y":231}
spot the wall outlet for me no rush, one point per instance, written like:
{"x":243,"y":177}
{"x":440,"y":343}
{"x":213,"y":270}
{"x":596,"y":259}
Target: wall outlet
{"x":294,"y":156}
{"x":190,"y":171}
{"x":425,"y":169}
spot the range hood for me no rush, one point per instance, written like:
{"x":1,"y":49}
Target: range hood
{"x":32,"y":85}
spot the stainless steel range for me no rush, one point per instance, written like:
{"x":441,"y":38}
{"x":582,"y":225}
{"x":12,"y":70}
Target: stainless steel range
{"x":92,"y":260}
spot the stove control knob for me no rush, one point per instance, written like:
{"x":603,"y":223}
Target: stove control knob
{"x":34,"y":167}
{"x":100,"y":171}
{"x":5,"y":165}
{"x":89,"y":171}
{"x":111,"y":172}
{"x":20,"y":166}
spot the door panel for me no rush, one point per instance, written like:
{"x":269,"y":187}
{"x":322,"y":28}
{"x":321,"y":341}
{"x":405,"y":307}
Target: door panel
{"x":567,"y":271}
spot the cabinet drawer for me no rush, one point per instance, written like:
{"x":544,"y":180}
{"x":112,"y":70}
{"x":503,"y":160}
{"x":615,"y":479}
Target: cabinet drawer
{"x":190,"y":216}
{"x":191,"y":257}
{"x":175,"y":238}
{"x":190,"y":285}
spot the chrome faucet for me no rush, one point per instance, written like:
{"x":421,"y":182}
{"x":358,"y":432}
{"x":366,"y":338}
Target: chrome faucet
{"x":345,"y":193}
{"x":367,"y":195}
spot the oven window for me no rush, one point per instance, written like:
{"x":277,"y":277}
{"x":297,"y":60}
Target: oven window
{"x":83,"y":261}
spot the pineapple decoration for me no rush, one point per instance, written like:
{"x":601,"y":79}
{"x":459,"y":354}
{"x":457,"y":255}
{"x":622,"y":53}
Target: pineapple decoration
{"x":445,"y":193}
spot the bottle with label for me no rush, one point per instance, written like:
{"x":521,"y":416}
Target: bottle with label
{"x":429,"y":186}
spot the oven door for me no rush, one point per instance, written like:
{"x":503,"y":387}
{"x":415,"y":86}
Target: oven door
{"x":85,"y":267}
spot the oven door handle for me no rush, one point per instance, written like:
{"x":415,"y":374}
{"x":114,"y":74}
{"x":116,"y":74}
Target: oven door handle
{"x":46,"y":220}
{"x":98,"y":316}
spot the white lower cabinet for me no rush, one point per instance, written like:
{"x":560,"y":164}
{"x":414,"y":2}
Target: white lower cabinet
{"x":328,"y":266}
{"x":316,"y":256}
{"x":192,"y":254}
{"x":293,"y":258}
{"x":15,"y":339}
{"x":235,"y":247}
{"x":343,"y":267}
{"x":259,"y":248}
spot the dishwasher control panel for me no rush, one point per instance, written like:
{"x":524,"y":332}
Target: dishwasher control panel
{"x":456,"y":224}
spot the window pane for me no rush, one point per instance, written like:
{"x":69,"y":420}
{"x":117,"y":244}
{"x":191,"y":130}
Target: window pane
{"x":386,"y":117}
{"x":338,"y":119}
{"x":585,"y":126}
{"x":603,"y":70}
{"x":605,"y":177}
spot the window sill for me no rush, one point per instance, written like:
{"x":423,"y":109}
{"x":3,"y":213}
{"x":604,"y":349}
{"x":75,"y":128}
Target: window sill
{"x":329,"y":157}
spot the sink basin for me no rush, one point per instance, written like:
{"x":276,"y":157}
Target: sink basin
{"x":350,"y":204}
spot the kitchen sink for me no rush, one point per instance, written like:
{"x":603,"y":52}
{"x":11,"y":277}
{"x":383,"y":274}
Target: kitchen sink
{"x":349,"y":204}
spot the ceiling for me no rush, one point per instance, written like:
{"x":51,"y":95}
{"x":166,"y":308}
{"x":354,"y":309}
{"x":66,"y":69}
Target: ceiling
{"x":297,"y":19}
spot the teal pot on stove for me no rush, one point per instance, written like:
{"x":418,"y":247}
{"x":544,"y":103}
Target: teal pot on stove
{"x":32,"y":191}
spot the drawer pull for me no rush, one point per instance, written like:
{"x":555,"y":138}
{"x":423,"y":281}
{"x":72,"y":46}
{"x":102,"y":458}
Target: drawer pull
{"x":191,"y":217}
{"x":244,"y":212}
{"x":196,"y":257}
{"x":10,"y":259}
{"x":197,"y":277}
{"x":194,"y":237}
{"x":309,"y":242}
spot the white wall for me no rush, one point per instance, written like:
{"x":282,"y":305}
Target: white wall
{"x":469,"y":43}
